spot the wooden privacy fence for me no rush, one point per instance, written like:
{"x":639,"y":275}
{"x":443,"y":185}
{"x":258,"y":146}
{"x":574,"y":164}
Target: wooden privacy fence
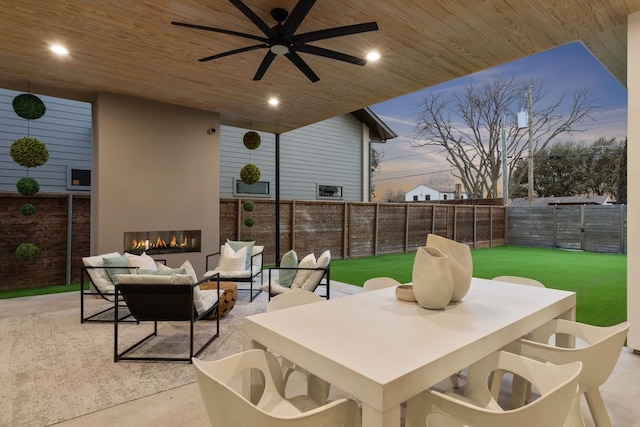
{"x":353,"y":229}
{"x":589,"y":228}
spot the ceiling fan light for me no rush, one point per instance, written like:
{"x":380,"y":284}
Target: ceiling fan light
{"x":279,"y":49}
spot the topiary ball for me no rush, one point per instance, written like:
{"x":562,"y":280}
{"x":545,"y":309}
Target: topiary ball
{"x":27,"y":209}
{"x":28,"y":106}
{"x":29,"y":152}
{"x":28,"y":186}
{"x":251,"y":140}
{"x":250,"y":174}
{"x":27,"y":252}
{"x":249,"y":205}
{"x":249,"y":221}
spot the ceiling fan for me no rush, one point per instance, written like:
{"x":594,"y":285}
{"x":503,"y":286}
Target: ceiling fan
{"x":282,"y":40}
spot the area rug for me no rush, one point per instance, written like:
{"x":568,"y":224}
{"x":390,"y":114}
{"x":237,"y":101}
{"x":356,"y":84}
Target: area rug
{"x":53,"y":368}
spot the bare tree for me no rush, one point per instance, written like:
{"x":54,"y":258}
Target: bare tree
{"x":466,"y":124}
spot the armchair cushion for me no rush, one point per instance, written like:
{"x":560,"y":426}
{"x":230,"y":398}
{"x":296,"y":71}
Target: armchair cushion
{"x":99,"y":276}
{"x":154,"y":279}
{"x":289,"y":260}
{"x":236,"y":246}
{"x":231,"y":260}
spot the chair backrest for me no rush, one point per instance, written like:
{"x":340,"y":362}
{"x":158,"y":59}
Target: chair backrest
{"x":556,"y":383}
{"x":379,"y":283}
{"x":169,"y":298}
{"x":520,"y":280}
{"x":598,"y":356}
{"x":227,"y":407}
{"x":292,"y":299}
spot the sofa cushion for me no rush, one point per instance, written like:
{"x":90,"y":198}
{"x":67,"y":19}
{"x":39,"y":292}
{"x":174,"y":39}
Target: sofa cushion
{"x":99,"y":276}
{"x":289,"y":260}
{"x":301,"y":276}
{"x":236,"y":246}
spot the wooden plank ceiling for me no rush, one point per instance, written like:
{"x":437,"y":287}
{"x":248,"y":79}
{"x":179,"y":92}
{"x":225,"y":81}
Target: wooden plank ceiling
{"x":130,"y":47}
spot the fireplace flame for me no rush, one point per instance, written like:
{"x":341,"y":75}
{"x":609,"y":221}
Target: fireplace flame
{"x":160,"y":243}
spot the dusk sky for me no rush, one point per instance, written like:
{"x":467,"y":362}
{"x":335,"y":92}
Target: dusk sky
{"x":564,"y":69}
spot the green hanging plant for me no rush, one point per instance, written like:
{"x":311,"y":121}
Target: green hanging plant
{"x":249,"y":221}
{"x":27,"y":209}
{"x":29,"y":106}
{"x":27,"y":252}
{"x":29,"y":152}
{"x":249,"y":205}
{"x":251,"y":140}
{"x":28,"y":186}
{"x":250,"y":174}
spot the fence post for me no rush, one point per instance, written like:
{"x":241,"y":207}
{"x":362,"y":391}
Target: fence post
{"x":475,"y":223}
{"x":406,"y":229}
{"x":69,"y":236}
{"x":345,"y":228}
{"x":376,"y":231}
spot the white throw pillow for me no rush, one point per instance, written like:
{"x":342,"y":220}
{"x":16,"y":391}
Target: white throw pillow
{"x":198,"y":298}
{"x":231,"y":260}
{"x":143,"y":262}
{"x":316,"y":276}
{"x":99,"y":276}
{"x":301,"y":276}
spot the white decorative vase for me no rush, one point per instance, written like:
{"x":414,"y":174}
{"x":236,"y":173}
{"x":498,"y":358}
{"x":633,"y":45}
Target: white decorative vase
{"x":432,"y":280}
{"x":460,"y":262}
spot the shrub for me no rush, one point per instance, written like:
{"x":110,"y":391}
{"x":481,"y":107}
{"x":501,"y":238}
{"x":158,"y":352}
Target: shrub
{"x":249,"y":222}
{"x":27,"y":209}
{"x":251,"y":140}
{"x":29,"y":152}
{"x":27,"y":252}
{"x":28,"y":106}
{"x":249,"y":205}
{"x":250,"y":174}
{"x":28,"y":186}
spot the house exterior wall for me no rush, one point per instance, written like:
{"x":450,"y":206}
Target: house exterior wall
{"x":328,"y":153}
{"x":421,"y":193}
{"x":66,"y":131}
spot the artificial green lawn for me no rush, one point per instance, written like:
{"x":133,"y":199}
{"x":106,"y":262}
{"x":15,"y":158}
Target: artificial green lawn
{"x":599,"y":280}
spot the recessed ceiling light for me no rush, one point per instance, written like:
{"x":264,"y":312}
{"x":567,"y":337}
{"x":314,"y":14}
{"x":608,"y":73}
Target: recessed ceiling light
{"x":58,"y":49}
{"x":273,"y":101}
{"x":373,"y":56}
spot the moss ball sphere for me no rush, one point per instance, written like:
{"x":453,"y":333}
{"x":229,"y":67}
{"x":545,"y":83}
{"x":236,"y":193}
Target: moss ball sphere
{"x":249,"y":205}
{"x":29,"y":152}
{"x":27,"y":209}
{"x":249,"y":222}
{"x":28,"y":106}
{"x":251,"y":140}
{"x":27,"y":252}
{"x":250,"y":174}
{"x":28,"y":186}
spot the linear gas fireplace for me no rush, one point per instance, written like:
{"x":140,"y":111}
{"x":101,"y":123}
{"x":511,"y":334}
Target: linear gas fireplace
{"x":162,"y":242}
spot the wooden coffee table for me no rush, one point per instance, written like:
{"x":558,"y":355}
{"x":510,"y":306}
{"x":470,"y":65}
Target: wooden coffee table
{"x":228,"y":297}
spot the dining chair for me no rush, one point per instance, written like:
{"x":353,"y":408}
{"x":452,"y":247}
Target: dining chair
{"x":226,"y":407}
{"x":379,"y":283}
{"x":598,"y":348}
{"x":317,"y":388}
{"x":478,"y":407}
{"x":520,"y":280}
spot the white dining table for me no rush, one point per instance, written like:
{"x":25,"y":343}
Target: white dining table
{"x":383,"y":351}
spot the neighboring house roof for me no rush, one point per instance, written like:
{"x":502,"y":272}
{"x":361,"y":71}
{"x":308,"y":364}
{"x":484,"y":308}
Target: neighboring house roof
{"x":571,"y":200}
{"x":378,"y":130}
{"x":433,"y":189}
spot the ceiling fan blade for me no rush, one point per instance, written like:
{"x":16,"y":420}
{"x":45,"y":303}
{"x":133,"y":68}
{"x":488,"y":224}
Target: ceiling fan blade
{"x":253,"y":17}
{"x":296,"y":17}
{"x":299,"y":62}
{"x":335,"y":32}
{"x":314,"y":50}
{"x":220,"y":30}
{"x":264,"y":65}
{"x":233,"y":52}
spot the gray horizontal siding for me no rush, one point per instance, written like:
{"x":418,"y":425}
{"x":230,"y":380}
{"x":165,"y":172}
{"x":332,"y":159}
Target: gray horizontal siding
{"x":66,"y":131}
{"x":325,"y":153}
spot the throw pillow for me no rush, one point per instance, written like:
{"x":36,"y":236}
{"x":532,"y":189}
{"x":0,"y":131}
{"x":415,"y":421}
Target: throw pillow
{"x":236,"y":246}
{"x":289,"y":260}
{"x":118,"y":264}
{"x":315,"y":277}
{"x":301,"y":276}
{"x":99,"y":276}
{"x":144,"y":261}
{"x":231,"y":260}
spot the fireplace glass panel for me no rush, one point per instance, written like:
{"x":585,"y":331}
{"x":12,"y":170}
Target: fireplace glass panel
{"x":162,"y":242}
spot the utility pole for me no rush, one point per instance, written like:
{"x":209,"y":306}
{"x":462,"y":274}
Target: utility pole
{"x":530,"y":114}
{"x":505,"y":169}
